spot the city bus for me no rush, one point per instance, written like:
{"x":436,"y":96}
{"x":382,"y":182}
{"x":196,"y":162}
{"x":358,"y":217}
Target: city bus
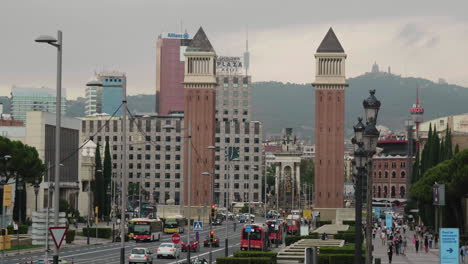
{"x":275,"y":231}
{"x":145,"y":229}
{"x":258,"y":237}
{"x":174,"y":225}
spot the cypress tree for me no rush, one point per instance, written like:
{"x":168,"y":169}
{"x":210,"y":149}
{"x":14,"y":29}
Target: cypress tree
{"x":435,"y":149}
{"x":442,"y":150}
{"x":457,"y":149}
{"x":448,"y":143}
{"x":416,"y":169}
{"x":99,"y":180}
{"x":107,"y":171}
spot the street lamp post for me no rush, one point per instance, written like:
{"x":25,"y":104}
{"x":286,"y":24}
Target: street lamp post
{"x":124,"y":174}
{"x":370,"y":137}
{"x":189,"y":180}
{"x":58,"y":112}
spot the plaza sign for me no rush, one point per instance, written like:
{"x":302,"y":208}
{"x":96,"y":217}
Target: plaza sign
{"x":228,"y":64}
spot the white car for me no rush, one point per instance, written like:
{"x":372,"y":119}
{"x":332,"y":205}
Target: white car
{"x":140,"y":255}
{"x":168,"y":250}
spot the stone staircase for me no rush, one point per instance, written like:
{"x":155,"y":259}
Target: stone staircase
{"x":295,"y":252}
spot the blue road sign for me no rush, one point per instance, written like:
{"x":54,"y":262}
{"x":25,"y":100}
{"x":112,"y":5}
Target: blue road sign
{"x":197,"y":226}
{"x":388,"y":220}
{"x":248,"y":228}
{"x":449,"y":242}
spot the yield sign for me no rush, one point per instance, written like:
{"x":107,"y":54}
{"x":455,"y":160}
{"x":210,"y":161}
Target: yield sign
{"x":58,"y":234}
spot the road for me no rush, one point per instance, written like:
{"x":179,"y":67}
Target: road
{"x":110,"y":252}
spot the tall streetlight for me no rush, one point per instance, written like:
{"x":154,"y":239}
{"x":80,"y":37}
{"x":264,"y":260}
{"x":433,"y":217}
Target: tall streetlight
{"x":360,"y":160}
{"x":58,"y":111}
{"x":371,"y":135}
{"x":124,"y":174}
{"x":211,"y":219}
{"x":2,"y":184}
{"x":189,"y":181}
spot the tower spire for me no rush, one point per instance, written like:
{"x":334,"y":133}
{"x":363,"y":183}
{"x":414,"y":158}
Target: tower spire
{"x":246,"y":53}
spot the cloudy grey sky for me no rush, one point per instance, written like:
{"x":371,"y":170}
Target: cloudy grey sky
{"x":424,"y":38}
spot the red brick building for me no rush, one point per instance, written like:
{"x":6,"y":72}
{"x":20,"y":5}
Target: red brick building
{"x":390,"y":170}
{"x":330,"y":84}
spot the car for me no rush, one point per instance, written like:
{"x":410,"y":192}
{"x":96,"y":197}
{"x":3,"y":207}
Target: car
{"x":214,"y":243}
{"x":140,"y":255}
{"x":194,"y":245}
{"x":50,"y":261}
{"x":242,"y":219}
{"x":273,"y":214}
{"x":217,"y":221}
{"x":168,"y":250}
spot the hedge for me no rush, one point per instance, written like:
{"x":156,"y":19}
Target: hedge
{"x":70,"y":236}
{"x":102,"y":232}
{"x":347,"y":249}
{"x":23,"y":229}
{"x":234,"y":260}
{"x":347,"y":237}
{"x":255,"y":254}
{"x":337,"y":259}
{"x":349,"y":222}
{"x":292,"y":239}
{"x":323,"y":222}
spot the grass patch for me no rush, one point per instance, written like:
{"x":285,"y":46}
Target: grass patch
{"x":22,"y":247}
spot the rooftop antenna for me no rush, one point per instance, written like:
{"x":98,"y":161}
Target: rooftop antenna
{"x":247,"y":53}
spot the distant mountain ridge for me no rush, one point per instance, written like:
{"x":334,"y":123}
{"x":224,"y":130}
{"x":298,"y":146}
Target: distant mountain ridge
{"x":279,"y":105}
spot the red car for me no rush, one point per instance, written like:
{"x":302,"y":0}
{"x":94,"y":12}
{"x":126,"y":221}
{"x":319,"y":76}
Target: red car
{"x":194,"y":246}
{"x":293,"y":226}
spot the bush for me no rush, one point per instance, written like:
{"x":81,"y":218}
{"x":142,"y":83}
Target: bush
{"x":234,"y":260}
{"x":347,"y":249}
{"x":23,"y":229}
{"x":347,"y":237}
{"x":292,"y":239}
{"x":337,"y":259}
{"x":102,"y":232}
{"x":323,"y":222}
{"x":70,"y":236}
{"x":255,"y":254}
{"x":80,"y":219}
{"x":349,"y":222}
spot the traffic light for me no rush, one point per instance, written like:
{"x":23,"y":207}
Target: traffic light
{"x":211,"y":235}
{"x":213,"y":208}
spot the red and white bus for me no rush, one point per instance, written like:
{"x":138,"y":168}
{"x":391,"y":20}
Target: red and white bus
{"x":275,"y":231}
{"x":292,"y":226}
{"x":258,"y":237}
{"x":145,"y":229}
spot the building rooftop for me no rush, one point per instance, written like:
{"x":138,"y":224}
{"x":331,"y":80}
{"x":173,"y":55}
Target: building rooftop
{"x":200,"y":42}
{"x":34,"y":92}
{"x":330,"y":44}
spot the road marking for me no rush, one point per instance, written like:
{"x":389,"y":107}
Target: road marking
{"x":206,"y":253}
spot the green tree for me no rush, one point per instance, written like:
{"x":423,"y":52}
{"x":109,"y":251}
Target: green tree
{"x":99,"y":188}
{"x":134,"y":192}
{"x":23,"y":165}
{"x":107,"y":178}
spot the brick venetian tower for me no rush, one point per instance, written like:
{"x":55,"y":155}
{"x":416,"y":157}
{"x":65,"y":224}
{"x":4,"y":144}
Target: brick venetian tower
{"x":330,"y":84}
{"x":199,"y":117}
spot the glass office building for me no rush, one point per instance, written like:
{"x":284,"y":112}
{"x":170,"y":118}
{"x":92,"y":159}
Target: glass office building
{"x":104,"y":94}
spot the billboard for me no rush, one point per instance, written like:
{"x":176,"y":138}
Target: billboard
{"x":177,"y":35}
{"x":229,"y":65}
{"x":438,"y":194}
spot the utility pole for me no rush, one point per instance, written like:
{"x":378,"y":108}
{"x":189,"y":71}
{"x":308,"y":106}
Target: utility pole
{"x":124,"y":173}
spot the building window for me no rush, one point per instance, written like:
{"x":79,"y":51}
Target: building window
{"x":167,"y":175}
{"x":393,"y":165}
{"x":380,"y":174}
{"x":177,"y":166}
{"x":157,"y":175}
{"x":167,"y":185}
{"x":386,"y":174}
{"x":402,"y":164}
{"x":177,"y":185}
{"x":393,"y":174}
{"x":403,"y":174}
{"x":177,"y":175}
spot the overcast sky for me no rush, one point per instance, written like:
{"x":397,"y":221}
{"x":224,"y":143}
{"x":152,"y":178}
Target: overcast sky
{"x":423,"y":38}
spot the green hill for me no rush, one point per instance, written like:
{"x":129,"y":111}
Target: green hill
{"x":279,"y":105}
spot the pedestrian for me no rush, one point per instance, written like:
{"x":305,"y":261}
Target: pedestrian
{"x":463,"y":250}
{"x":373,"y":233}
{"x":431,"y":237}
{"x":390,"y":252}
{"x":405,"y":244}
{"x":383,"y":237}
{"x":397,"y":246}
{"x":436,"y":239}
{"x":426,"y":244}
{"x":416,"y":244}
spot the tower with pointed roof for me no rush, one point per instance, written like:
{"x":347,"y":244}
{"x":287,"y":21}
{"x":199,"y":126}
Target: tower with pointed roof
{"x":199,"y":117}
{"x":330,"y":84}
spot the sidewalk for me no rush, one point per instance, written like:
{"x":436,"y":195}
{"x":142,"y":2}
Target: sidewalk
{"x":411,"y":257}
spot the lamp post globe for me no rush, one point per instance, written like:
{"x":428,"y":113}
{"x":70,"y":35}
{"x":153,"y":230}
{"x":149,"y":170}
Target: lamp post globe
{"x":371,"y":107}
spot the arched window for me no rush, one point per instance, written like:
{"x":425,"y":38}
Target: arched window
{"x":380,"y":174}
{"x":379,"y":192}
{"x":403,"y":174}
{"x":402,"y":192}
{"x":393,"y":194}
{"x":393,"y":174}
{"x":373,"y":191}
{"x":386,"y":174}
{"x":385,"y":191}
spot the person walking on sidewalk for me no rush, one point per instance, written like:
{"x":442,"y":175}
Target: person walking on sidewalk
{"x":426,"y":244}
{"x":390,"y":252}
{"x":405,"y":244}
{"x":416,"y":243}
{"x":383,"y":237}
{"x":462,"y":254}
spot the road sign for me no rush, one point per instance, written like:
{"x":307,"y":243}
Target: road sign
{"x":197,"y":236}
{"x":248,"y":228}
{"x":7,"y":190}
{"x":388,"y":220}
{"x":198,"y":226}
{"x":377,"y":213}
{"x":438,"y":194}
{"x":449,"y":242}
{"x":58,"y":234}
{"x":176,"y":238}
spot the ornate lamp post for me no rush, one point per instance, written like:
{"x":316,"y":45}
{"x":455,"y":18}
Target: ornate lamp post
{"x":370,"y":137}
